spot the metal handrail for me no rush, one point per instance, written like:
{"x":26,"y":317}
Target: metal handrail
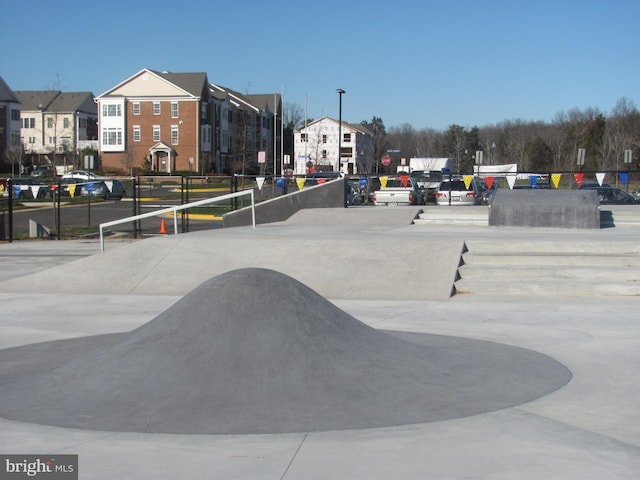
{"x":182,"y":207}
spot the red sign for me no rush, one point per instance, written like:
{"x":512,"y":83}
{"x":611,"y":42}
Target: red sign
{"x":386,"y":160}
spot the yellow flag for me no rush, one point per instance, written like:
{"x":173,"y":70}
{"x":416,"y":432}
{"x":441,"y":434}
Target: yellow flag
{"x":72,"y":190}
{"x":555,"y":179}
{"x":383,"y":182}
{"x":467,"y":180}
{"x":300,"y":182}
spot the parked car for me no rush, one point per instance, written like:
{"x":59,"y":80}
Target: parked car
{"x":614,"y":196}
{"x":106,"y":189}
{"x":485,"y":194}
{"x":25,"y":188}
{"x":399,"y":190}
{"x":455,"y":192}
{"x":429,"y":181}
{"x":589,"y":184}
{"x":64,"y":184}
{"x":43,"y":171}
{"x":81,"y":174}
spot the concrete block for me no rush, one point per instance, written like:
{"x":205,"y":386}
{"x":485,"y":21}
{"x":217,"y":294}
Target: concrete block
{"x":545,"y":208}
{"x":37,"y":230}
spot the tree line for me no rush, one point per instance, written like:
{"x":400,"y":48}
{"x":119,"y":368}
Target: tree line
{"x":532,"y":145}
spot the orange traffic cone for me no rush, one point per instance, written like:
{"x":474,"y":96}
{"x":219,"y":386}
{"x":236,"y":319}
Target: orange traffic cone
{"x":163,"y":227}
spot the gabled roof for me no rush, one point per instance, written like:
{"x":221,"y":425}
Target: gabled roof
{"x":358,"y":127}
{"x":264,"y":102}
{"x":74,"y":102}
{"x":6,"y":94}
{"x":55,"y":100}
{"x":193,"y":84}
{"x":33,"y":100}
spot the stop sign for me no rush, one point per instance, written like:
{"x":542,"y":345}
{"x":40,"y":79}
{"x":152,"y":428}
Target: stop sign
{"x":386,"y":160}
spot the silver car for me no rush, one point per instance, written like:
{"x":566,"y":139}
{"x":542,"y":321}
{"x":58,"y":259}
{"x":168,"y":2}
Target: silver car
{"x":455,"y":192}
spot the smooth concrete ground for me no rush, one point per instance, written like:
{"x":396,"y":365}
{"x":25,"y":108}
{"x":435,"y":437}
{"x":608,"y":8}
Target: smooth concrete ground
{"x":590,"y":429}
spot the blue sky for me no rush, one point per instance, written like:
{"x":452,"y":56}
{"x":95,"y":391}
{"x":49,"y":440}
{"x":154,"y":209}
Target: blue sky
{"x":426,"y":63}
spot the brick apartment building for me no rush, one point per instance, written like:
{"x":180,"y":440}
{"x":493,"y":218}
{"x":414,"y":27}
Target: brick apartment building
{"x":157,"y":121}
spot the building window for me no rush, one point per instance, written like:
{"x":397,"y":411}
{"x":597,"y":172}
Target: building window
{"x":156,"y":108}
{"x":111,"y":110}
{"x":346,"y":138}
{"x":324,"y":139}
{"x":29,"y":122}
{"x":136,"y":108}
{"x":49,"y":122}
{"x":52,"y":140}
{"x":156,"y":133}
{"x":174,"y":135}
{"x":112,"y":136}
{"x":324,"y":154}
{"x":174,"y":109}
{"x":225,"y":139}
{"x":206,"y":134}
{"x":32,"y":140}
{"x":65,"y":122}
{"x":136,"y":133}
{"x":15,"y":114}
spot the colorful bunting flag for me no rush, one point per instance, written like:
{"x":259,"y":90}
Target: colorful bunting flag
{"x":555,"y":179}
{"x":300,"y":183}
{"x":467,"y":181}
{"x":383,"y":181}
{"x":578,"y":176}
{"x":489,"y":180}
{"x":624,"y":177}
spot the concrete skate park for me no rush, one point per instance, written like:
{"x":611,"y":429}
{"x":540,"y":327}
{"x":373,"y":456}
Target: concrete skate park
{"x":427,"y":344}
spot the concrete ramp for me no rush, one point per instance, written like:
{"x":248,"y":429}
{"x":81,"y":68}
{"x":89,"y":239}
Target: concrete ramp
{"x":340,"y":253}
{"x":254,"y":351}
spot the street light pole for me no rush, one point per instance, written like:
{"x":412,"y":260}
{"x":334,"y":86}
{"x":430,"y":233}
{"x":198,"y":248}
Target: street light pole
{"x":345,"y":179}
{"x":340,"y":92}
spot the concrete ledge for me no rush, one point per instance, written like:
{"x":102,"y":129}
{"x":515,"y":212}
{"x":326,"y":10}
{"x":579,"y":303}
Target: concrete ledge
{"x":545,"y":208}
{"x":328,"y":195}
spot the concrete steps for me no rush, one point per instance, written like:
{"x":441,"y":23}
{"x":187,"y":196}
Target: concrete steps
{"x":549,"y":268}
{"x":455,"y":215}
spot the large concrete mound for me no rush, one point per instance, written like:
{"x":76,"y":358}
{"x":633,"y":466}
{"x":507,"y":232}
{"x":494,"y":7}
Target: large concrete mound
{"x":255,"y":351}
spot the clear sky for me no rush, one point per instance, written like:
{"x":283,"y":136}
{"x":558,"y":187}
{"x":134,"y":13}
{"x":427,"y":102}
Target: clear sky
{"x":426,"y":63}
